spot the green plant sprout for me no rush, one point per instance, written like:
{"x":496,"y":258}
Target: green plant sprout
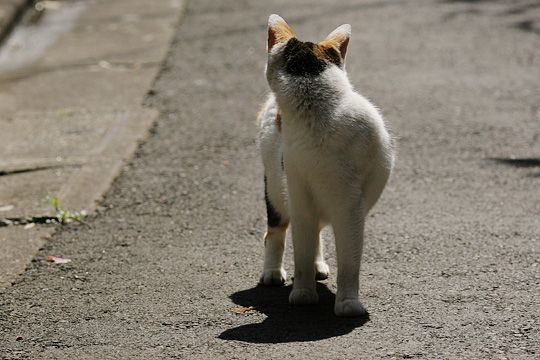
{"x":65,"y":216}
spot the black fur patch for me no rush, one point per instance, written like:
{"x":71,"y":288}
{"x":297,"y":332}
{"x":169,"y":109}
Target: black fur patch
{"x":300,"y":60}
{"x":332,"y":55}
{"x":273,"y":217}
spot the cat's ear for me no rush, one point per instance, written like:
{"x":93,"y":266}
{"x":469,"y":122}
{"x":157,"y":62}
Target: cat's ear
{"x":339,"y":39}
{"x":278,"y":31}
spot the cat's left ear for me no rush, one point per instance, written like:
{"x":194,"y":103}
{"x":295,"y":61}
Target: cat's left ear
{"x":278,"y":31}
{"x":339,"y":39}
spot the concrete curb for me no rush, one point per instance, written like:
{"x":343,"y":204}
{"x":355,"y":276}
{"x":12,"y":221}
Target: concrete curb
{"x":73,"y":112}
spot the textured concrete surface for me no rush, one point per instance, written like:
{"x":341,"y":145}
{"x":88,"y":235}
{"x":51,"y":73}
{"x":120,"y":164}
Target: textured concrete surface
{"x":451,"y":266}
{"x":10,"y":11}
{"x":72,"y":109}
{"x":19,"y":244}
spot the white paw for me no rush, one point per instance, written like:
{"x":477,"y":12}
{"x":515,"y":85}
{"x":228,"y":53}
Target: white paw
{"x":322,"y":270}
{"x":303,"y":297}
{"x":349,"y":308}
{"x":273,"y":276}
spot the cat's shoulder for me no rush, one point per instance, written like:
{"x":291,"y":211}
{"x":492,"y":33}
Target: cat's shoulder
{"x":358,"y":106}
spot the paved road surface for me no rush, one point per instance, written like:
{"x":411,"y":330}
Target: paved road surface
{"x":451,"y":267}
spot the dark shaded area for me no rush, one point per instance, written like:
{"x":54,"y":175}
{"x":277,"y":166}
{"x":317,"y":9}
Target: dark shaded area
{"x":518,"y":162}
{"x":516,"y":7}
{"x":272,"y":216}
{"x":33,"y":169}
{"x":533,"y":163}
{"x":529,"y":9}
{"x":28,"y":220}
{"x":6,"y":30}
{"x":520,"y":9}
{"x":300,"y":59}
{"x":528,"y":26}
{"x":287,"y":323}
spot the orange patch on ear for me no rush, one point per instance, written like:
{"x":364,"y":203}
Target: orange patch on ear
{"x":278,"y":120}
{"x":338,"y":39}
{"x":278,"y":31}
{"x":327,"y":53}
{"x":338,"y":43}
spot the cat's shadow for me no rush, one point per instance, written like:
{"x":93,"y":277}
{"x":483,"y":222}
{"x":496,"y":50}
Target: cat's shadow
{"x":287,"y":323}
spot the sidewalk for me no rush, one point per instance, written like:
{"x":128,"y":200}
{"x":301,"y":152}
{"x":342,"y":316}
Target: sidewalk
{"x":71,"y":93}
{"x":169,"y":268}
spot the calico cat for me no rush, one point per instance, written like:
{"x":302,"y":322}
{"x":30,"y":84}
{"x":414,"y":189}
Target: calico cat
{"x":327,"y":156}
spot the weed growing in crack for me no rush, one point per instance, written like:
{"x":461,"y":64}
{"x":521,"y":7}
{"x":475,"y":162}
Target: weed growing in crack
{"x":64,"y":216}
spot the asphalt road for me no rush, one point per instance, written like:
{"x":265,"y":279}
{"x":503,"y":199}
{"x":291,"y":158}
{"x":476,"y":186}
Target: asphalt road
{"x":451,"y":265}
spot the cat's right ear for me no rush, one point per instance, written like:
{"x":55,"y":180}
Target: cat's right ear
{"x":339,"y":39}
{"x":278,"y":31}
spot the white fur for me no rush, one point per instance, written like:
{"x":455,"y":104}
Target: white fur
{"x":275,"y":19}
{"x":342,"y":29}
{"x":337,"y":156}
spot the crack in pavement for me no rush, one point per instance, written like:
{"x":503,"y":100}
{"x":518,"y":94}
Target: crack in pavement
{"x":34,"y":169}
{"x":13,"y":221}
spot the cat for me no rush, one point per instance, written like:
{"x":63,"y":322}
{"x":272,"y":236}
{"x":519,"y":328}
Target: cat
{"x":327,"y":156}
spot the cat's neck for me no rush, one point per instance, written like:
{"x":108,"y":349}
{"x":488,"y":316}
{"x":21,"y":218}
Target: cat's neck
{"x":313,"y":96}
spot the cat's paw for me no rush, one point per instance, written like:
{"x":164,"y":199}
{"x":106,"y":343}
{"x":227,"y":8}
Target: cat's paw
{"x":273,"y":277}
{"x":303,"y":296}
{"x":349,"y":308}
{"x":322,"y":270}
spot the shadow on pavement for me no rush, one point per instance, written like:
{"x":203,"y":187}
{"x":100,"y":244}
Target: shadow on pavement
{"x":286,"y":323}
{"x":533,"y":163}
{"x":530,"y":9}
{"x":528,"y":26}
{"x":518,"y":162}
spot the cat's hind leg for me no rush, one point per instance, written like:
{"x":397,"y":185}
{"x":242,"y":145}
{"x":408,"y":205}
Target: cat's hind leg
{"x":322,"y":270}
{"x":274,"y":239}
{"x":274,"y":194}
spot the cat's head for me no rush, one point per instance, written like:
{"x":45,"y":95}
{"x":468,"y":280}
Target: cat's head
{"x":292,"y":60}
